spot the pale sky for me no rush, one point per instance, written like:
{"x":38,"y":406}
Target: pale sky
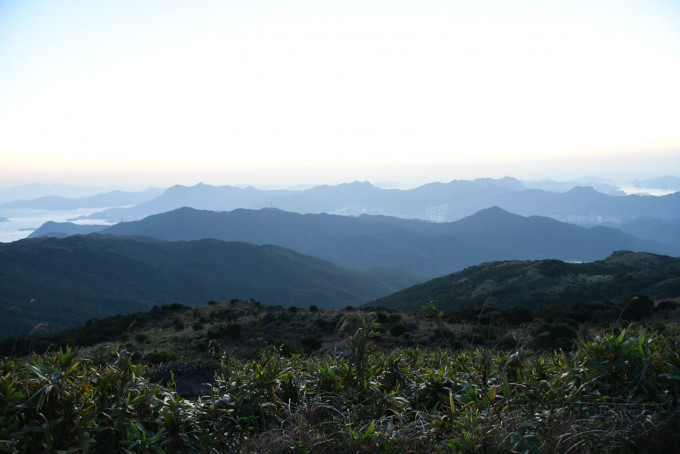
{"x":270,"y":92}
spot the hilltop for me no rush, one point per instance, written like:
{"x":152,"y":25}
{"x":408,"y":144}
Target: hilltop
{"x":245,"y":328}
{"x":241,"y":327}
{"x":537,"y":283}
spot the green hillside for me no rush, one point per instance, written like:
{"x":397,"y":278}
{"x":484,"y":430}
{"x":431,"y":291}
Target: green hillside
{"x":536,"y":283}
{"x":63,"y":282}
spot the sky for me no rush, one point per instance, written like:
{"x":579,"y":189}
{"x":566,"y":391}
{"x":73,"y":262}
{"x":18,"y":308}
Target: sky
{"x":281,"y":93}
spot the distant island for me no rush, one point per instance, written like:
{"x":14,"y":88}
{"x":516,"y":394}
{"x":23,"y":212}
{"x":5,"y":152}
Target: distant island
{"x":3,"y":219}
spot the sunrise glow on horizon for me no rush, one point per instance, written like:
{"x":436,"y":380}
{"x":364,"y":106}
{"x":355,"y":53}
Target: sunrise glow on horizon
{"x":269,"y":93}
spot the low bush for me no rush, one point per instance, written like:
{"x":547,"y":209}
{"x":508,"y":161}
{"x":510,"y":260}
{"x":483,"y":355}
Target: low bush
{"x":231,"y":331}
{"x":160,"y":357}
{"x":173,"y":307}
{"x":311,"y":343}
{"x":397,"y":329}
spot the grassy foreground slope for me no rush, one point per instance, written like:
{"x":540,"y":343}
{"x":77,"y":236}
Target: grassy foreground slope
{"x":616,"y":392}
{"x":239,"y":376}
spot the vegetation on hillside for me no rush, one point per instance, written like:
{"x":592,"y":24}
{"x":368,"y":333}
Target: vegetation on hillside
{"x":246,"y":328}
{"x":536,"y":283}
{"x":64,"y":282}
{"x":616,"y":392}
{"x":239,"y":376}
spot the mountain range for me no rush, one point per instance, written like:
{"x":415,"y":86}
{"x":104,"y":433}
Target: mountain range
{"x":434,"y":201}
{"x":282,"y":258}
{"x":423,"y":249}
{"x":300,"y":248}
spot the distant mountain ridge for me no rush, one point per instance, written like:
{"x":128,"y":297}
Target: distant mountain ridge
{"x":107,"y":199}
{"x":33,"y":191}
{"x":668,"y":182}
{"x":434,"y":201}
{"x":620,"y":276}
{"x":421,"y":248}
{"x":65,"y":229}
{"x":666,"y":231}
{"x":66,"y":281}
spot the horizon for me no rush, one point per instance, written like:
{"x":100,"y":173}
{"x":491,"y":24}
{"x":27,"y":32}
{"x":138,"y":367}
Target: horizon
{"x":658,"y":186}
{"x":309,"y":93}
{"x":634,"y":186}
{"x":18,"y":221}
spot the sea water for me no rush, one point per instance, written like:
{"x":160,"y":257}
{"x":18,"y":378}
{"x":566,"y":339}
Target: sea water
{"x":22,"y":222}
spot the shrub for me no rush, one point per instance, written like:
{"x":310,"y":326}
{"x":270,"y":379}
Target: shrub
{"x":517,"y":315}
{"x":202,"y":346}
{"x":160,"y":357}
{"x":311,"y":343}
{"x":173,"y":307}
{"x":232,"y":331}
{"x":397,"y":329}
{"x":395,"y":318}
{"x":637,"y":308}
{"x":327,"y":325}
{"x":286,"y":348}
{"x":666,"y":305}
{"x":554,"y":336}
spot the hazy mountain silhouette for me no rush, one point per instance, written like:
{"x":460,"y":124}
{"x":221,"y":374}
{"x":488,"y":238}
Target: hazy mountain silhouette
{"x":620,"y":276}
{"x":35,"y":190}
{"x":584,"y":205}
{"x":354,"y":242}
{"x":669,"y":183}
{"x":107,"y":199}
{"x":423,"y":248}
{"x":200,"y":196}
{"x":66,"y":281}
{"x":515,"y":236}
{"x":64,"y":229}
{"x":653,"y":229}
{"x":598,"y":184}
{"x":433,"y":201}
